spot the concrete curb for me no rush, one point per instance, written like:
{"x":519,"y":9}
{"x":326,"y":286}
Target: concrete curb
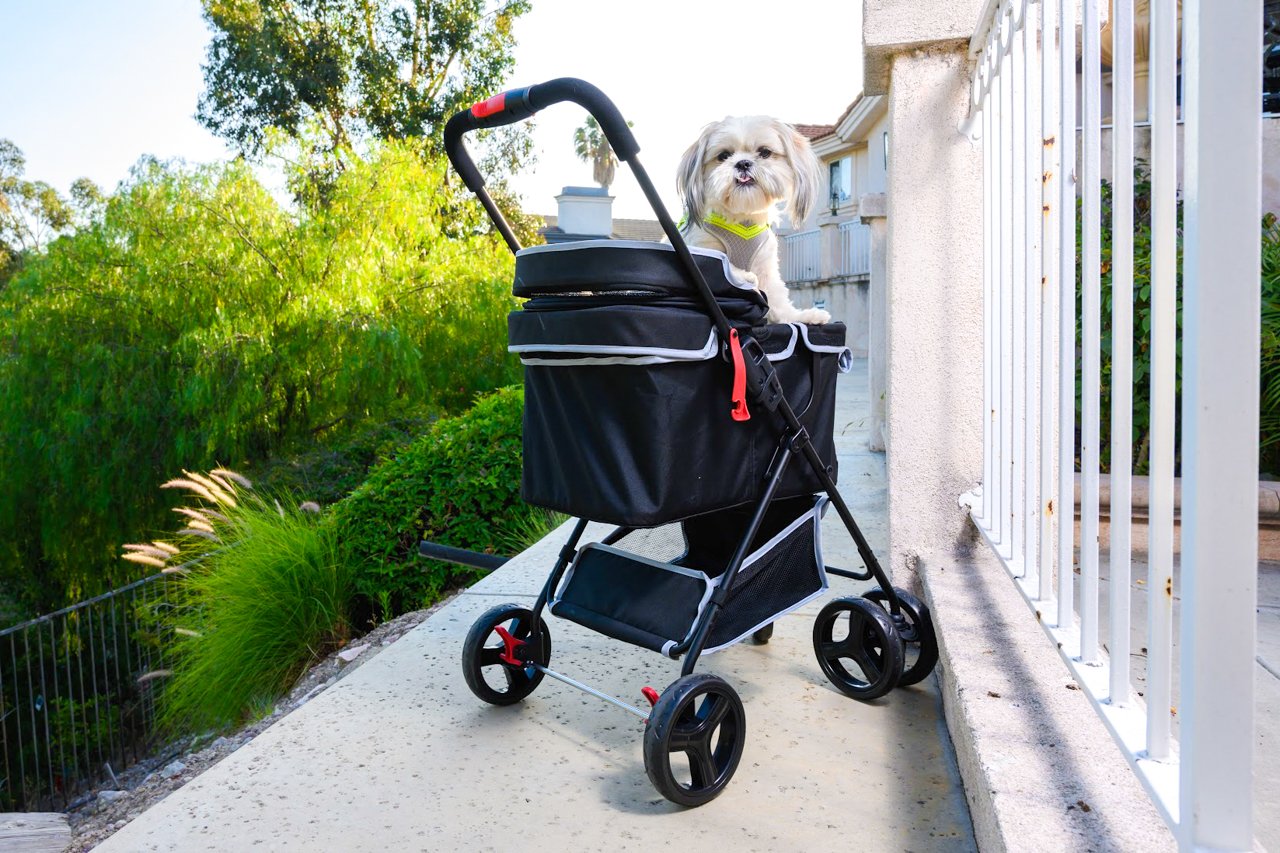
{"x":1041,"y":772}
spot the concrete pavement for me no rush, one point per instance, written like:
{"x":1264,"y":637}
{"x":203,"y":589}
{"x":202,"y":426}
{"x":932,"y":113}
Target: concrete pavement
{"x":401,"y":756}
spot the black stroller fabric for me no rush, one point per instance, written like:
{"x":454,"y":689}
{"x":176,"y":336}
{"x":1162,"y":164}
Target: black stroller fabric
{"x":627,"y":396}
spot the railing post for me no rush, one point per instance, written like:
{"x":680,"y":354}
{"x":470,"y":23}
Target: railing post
{"x":1220,"y":422}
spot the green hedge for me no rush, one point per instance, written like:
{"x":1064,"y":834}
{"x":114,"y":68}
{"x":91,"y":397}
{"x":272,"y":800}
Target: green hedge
{"x":459,"y":485}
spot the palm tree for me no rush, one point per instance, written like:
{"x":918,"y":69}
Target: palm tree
{"x":591,"y":147}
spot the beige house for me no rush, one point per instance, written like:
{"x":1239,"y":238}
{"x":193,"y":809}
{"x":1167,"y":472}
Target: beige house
{"x":827,"y":260}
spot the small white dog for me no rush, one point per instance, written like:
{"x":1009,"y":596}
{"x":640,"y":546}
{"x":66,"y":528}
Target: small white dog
{"x":729,"y":181}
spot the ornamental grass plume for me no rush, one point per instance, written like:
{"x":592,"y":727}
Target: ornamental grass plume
{"x":259,"y":594}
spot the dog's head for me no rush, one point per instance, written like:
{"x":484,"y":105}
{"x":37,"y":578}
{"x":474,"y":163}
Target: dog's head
{"x":744,"y":165}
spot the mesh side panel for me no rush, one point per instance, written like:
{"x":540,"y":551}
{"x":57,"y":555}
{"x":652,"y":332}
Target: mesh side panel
{"x":778,"y":580}
{"x":664,"y":543}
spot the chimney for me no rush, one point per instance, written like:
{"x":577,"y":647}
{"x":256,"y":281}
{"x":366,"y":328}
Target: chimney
{"x":585,"y":212}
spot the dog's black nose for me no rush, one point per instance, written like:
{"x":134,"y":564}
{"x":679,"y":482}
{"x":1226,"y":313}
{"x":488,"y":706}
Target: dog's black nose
{"x":743,"y":165}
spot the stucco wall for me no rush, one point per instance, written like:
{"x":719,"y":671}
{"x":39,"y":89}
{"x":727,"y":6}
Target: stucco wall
{"x":934,"y":336}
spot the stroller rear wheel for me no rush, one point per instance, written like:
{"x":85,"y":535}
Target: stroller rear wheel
{"x":491,"y":661}
{"x":698,"y":718}
{"x":858,"y":648}
{"x":915,"y":627}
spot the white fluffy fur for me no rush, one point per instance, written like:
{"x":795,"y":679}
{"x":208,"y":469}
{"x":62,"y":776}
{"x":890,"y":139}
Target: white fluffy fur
{"x":740,"y":168}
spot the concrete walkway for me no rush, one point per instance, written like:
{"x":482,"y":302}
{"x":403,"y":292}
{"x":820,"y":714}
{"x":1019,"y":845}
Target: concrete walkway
{"x":400,"y":755}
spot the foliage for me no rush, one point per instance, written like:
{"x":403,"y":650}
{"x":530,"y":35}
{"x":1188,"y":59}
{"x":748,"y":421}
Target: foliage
{"x":260,"y":595}
{"x":329,"y":470}
{"x":1269,"y":412}
{"x":458,"y":485}
{"x":195,"y":321}
{"x":31,"y":212}
{"x":1142,"y":245}
{"x":591,"y":146}
{"x":1269,"y":426}
{"x":355,"y":68}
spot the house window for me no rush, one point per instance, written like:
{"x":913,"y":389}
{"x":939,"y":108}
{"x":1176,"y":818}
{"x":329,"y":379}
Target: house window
{"x":841,"y":181}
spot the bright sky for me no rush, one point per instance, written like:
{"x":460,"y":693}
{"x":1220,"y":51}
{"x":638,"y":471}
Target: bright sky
{"x":88,"y":87}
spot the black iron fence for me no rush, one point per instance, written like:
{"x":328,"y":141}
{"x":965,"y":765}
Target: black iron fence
{"x":77,"y":694}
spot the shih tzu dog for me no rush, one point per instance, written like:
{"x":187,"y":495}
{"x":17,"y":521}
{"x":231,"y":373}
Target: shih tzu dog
{"x":729,"y":181}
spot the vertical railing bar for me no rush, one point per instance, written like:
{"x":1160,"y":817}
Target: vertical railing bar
{"x":1121,"y":348}
{"x":979,"y":83}
{"x":112,"y":734}
{"x":62,"y":749}
{"x":84,"y":714}
{"x":1163,"y":66}
{"x":44,"y":704}
{"x":1016,"y":284}
{"x":35,"y":737}
{"x":1067,"y":314}
{"x":17,"y":707}
{"x":1032,"y":214}
{"x":69,"y":780}
{"x":1220,"y":407}
{"x":1090,"y":321}
{"x":1005,"y":112}
{"x":4,"y":742}
{"x":1050,"y":169}
{"x":125,"y":739}
{"x":93,"y":684}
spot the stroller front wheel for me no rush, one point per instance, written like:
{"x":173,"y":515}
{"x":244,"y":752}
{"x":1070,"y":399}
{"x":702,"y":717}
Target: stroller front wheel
{"x":496,"y":645}
{"x":700,"y":719}
{"x":858,"y":648}
{"x":915,"y":627}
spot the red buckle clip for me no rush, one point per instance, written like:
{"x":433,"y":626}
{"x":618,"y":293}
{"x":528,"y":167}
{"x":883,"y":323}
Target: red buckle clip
{"x":509,"y":653}
{"x":739,"y":398}
{"x":484,"y":109}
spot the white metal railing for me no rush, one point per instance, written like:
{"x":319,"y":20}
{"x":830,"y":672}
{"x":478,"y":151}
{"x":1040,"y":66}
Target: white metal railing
{"x":802,"y":256}
{"x":1024,"y":98}
{"x":855,"y":249}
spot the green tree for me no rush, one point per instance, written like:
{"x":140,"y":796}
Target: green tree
{"x":354,"y":68}
{"x":196,"y":322}
{"x":31,"y":212}
{"x":591,"y":146}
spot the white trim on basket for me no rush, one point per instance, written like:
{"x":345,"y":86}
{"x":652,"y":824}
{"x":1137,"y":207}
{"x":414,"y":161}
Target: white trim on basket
{"x":615,"y":354}
{"x":844,"y":361}
{"x":729,"y":273}
{"x":813,"y":516}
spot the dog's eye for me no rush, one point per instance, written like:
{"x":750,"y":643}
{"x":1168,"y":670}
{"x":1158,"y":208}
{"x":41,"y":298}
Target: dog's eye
{"x":765,"y":153}
{"x":722,"y":156}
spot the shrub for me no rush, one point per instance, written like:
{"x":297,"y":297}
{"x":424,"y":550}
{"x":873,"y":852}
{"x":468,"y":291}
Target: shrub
{"x":197,"y":321}
{"x":260,"y":595}
{"x":459,"y":485}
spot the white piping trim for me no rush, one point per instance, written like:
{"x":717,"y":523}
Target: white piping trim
{"x":844,"y":355}
{"x":729,"y":273}
{"x":790,"y":348}
{"x":631,"y":354}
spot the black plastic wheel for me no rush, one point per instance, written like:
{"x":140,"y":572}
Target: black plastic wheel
{"x":762,"y":635}
{"x":699,"y":718}
{"x":491,"y":678}
{"x":858,"y":648}
{"x":915,"y":628}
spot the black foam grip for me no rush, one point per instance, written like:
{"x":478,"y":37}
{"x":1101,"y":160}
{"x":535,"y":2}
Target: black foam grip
{"x":518,"y":104}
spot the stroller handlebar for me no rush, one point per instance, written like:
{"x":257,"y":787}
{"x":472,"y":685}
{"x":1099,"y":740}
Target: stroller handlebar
{"x":518,"y":104}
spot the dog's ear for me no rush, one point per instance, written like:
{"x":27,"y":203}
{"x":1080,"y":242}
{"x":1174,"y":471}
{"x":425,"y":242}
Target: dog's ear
{"x":689,"y":177}
{"x":807,"y":170}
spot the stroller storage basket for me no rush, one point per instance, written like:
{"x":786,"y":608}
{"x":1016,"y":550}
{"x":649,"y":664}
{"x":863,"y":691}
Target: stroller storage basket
{"x":627,"y":398}
{"x":656,"y":605}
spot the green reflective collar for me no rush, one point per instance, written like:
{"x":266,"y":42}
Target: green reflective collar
{"x":746,"y":232}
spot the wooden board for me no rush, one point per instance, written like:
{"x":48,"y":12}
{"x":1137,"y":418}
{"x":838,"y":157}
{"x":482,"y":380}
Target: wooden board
{"x":34,"y":832}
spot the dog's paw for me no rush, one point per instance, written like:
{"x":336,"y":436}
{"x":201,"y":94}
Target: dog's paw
{"x":810,"y":317}
{"x":748,"y":277}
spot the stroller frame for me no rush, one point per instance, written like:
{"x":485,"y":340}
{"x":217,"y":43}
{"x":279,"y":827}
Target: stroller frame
{"x":699,"y":715}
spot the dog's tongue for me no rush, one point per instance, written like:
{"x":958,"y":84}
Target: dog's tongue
{"x":744,"y":178}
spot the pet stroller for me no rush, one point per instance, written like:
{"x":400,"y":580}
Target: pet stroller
{"x":655,"y":393}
